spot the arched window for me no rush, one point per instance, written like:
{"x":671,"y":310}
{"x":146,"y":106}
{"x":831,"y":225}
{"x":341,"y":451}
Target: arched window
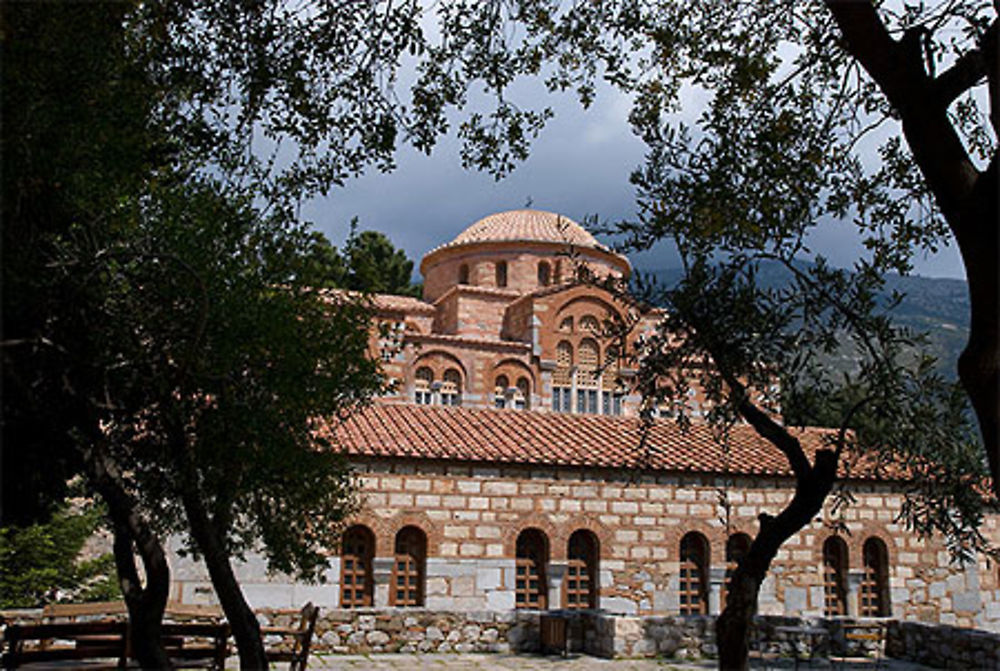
{"x":581,"y":571}
{"x":423,"y":379}
{"x":463,"y":274}
{"x":834,"y":577}
{"x":451,"y":388}
{"x":532,"y":558}
{"x":566,"y":325}
{"x":501,"y":269}
{"x":737,"y":547}
{"x":562,"y":378}
{"x":693,"y":584}
{"x":522,"y":399}
{"x":544,"y":274}
{"x":874,"y":582}
{"x":357,"y":550}
{"x":500,"y":391}
{"x":407,"y":582}
{"x":590,"y":323}
{"x":587,"y":378}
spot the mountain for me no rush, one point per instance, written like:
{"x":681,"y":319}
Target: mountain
{"x":933,"y":305}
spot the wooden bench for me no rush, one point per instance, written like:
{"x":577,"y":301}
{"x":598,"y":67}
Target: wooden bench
{"x":92,"y":645}
{"x":295,"y":649}
{"x":104,"y":644}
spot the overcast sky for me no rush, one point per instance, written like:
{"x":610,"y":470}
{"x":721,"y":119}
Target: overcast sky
{"x":579,"y":166}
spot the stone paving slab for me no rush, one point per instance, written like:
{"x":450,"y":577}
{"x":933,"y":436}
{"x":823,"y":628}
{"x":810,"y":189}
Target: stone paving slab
{"x":526,"y":662}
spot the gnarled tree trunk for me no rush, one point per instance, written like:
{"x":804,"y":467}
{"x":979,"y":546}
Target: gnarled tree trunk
{"x":145,"y":603}
{"x":733,"y":626}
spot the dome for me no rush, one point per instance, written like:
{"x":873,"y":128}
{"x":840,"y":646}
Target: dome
{"x":526,"y":226}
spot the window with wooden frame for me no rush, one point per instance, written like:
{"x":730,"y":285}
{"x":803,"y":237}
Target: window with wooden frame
{"x":874,"y":582}
{"x":410,"y":556}
{"x":532,"y":558}
{"x":357,"y":550}
{"x":737,"y":547}
{"x":692,"y":586}
{"x":834,"y":577}
{"x":587,"y":376}
{"x":562,"y":378}
{"x":580,"y":585}
{"x":422,"y":381}
{"x":451,"y":388}
{"x":500,"y":386}
{"x":522,"y":398}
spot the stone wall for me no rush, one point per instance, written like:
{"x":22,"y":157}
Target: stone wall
{"x":943,"y":646}
{"x":473,"y":514}
{"x":360,"y":631}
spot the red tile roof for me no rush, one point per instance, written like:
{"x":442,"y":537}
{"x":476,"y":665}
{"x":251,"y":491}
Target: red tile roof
{"x":533,"y":438}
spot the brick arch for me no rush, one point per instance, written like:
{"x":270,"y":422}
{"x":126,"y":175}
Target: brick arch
{"x":541,"y":522}
{"x":856,"y":540}
{"x":604,"y":535}
{"x":716,"y":537}
{"x":439,"y":361}
{"x":420,"y":520}
{"x":377,"y":525}
{"x":578,"y":306}
{"x":508,"y":366}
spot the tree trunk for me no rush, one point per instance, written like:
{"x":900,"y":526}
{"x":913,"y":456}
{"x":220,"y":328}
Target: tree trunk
{"x":211,"y":543}
{"x":732,"y":629}
{"x":145,"y":608}
{"x":145,"y":604}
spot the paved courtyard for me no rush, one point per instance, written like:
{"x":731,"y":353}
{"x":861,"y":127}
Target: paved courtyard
{"x":484,"y":662}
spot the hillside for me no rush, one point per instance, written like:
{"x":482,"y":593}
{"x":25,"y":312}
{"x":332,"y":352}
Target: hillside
{"x":936,"y":306}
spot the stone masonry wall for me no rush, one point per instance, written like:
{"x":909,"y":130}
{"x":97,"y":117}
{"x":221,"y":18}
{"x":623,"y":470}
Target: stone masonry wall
{"x":473,"y":514}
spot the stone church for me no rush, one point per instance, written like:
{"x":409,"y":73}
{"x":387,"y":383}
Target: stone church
{"x":508,"y":470}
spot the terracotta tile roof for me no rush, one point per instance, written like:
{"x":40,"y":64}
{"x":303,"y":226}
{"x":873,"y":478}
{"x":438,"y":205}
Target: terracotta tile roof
{"x":526,"y":225}
{"x":400,"y":303}
{"x":507,"y":436}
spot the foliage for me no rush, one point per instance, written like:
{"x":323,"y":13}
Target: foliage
{"x":368,"y":263}
{"x":41,"y":563}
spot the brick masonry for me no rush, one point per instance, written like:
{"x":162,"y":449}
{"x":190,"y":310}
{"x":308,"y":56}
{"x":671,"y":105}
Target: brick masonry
{"x":472,"y":515}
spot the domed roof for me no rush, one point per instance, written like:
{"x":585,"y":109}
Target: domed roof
{"x":526,"y":226}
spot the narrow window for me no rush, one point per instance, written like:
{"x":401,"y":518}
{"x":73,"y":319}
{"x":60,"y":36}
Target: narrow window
{"x":587,"y":376}
{"x":501,"y":273}
{"x":693,"y":584}
{"x":357,"y":550}
{"x":590,"y":323}
{"x":463,"y":274}
{"x":423,"y":379}
{"x":544,"y":274}
{"x":407,"y":581}
{"x":834,"y":577}
{"x":530,"y":586}
{"x":500,"y":391}
{"x":566,"y":325}
{"x":451,"y":388}
{"x":562,"y":378}
{"x":581,"y":571}
{"x":737,"y":547}
{"x":522,"y":399}
{"x":874,"y":582}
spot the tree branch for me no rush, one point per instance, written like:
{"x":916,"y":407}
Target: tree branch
{"x":770,"y":430}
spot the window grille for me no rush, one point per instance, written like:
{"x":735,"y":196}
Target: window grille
{"x":407,"y":581}
{"x":451,"y":388}
{"x":581,"y":571}
{"x":873,"y":580}
{"x":423,"y":379}
{"x":358,"y":547}
{"x":693,"y":584}
{"x":530,"y":587}
{"x":834,"y":577}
